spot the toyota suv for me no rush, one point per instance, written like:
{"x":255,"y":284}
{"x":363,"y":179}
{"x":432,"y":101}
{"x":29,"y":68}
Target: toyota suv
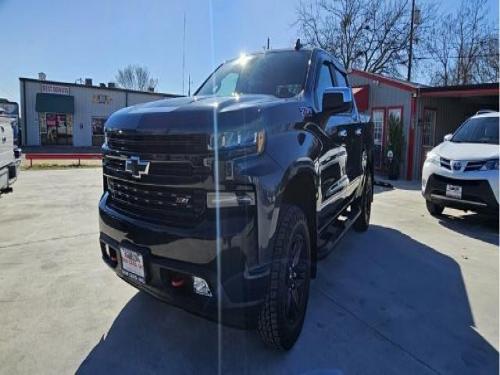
{"x":222,"y":203}
{"x":462,"y":172}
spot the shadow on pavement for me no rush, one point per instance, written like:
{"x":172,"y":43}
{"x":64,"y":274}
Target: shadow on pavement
{"x":387,"y":185}
{"x":382,"y":304}
{"x":480,"y":227}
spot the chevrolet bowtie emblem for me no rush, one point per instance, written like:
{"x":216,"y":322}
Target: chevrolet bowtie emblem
{"x":136,"y":166}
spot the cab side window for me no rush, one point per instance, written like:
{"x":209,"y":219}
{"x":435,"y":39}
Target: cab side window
{"x":324,"y":81}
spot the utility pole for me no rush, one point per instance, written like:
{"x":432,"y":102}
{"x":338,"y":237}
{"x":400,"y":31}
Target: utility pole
{"x":184,"y":54}
{"x":268,"y":43}
{"x":189,"y":84}
{"x":410,"y":52}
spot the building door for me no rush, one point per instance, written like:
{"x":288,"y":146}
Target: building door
{"x":56,"y":128}
{"x":428,"y":129}
{"x":98,"y":131}
{"x":378,"y":116}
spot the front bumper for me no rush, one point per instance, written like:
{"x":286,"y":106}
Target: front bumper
{"x":15,"y":166}
{"x":477,"y":194}
{"x":9,"y":173}
{"x":169,"y":251}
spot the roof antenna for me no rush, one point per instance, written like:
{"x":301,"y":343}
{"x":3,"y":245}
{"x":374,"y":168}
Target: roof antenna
{"x":298,"y":45}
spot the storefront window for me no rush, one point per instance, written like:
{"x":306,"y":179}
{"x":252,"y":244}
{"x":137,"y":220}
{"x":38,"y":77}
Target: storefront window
{"x":378,"y":118}
{"x":428,"y":127}
{"x":56,"y":128}
{"x":98,"y":131}
{"x":378,"y":126}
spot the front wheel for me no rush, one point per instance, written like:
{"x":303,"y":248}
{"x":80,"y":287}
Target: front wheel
{"x":282,"y":315}
{"x":433,"y":208}
{"x":365,"y":205}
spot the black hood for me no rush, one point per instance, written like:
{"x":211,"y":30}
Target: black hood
{"x":194,"y":114}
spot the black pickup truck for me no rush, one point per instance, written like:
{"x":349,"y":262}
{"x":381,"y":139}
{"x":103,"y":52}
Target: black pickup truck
{"x":222,"y":203}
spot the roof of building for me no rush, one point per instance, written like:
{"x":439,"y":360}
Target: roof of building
{"x":395,"y":82}
{"x":71,"y":84}
{"x":462,"y":90}
{"x":425,"y":90}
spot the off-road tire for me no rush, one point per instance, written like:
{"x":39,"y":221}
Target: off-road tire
{"x":433,"y":208}
{"x":274,"y":325}
{"x":365,"y":205}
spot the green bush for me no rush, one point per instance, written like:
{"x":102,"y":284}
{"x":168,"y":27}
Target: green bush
{"x":396,"y":138}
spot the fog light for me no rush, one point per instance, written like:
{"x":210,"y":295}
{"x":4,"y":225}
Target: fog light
{"x":201,"y":287}
{"x":225,"y":199}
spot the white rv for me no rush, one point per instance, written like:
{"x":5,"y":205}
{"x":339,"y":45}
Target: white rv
{"x":10,"y":155}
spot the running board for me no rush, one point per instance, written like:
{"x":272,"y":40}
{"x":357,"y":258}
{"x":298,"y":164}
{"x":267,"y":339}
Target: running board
{"x":335,"y":232}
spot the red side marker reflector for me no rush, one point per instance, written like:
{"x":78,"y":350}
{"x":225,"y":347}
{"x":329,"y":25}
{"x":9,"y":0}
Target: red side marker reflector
{"x":177,"y":282}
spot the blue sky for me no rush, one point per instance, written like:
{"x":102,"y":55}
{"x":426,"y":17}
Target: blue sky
{"x":94,"y":38}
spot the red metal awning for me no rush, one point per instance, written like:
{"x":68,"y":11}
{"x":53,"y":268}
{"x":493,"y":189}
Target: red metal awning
{"x":362,"y":97}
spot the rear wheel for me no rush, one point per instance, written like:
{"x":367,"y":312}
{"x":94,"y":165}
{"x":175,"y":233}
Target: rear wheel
{"x":365,"y":205}
{"x":433,"y":208}
{"x":282,"y":315}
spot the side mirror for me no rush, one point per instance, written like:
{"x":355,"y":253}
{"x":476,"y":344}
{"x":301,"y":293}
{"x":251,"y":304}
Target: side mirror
{"x":448,"y":137}
{"x":337,"y":100}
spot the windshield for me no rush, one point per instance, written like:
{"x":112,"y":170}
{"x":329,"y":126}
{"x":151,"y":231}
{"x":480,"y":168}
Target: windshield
{"x":478,"y":130}
{"x":281,"y":74}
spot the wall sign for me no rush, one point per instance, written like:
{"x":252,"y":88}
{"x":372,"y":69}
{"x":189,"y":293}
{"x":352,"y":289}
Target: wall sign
{"x":55,"y":89}
{"x":102,"y":99}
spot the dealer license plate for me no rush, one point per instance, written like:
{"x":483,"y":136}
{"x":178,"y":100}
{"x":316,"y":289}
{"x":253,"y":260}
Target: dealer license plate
{"x":133,"y":265}
{"x":454,"y":191}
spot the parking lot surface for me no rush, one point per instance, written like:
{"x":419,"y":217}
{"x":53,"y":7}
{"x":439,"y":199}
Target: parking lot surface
{"x":413,"y":295}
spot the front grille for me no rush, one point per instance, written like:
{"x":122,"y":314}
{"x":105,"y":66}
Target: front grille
{"x":163,"y":172}
{"x":453,"y":181}
{"x":169,"y":193}
{"x":157,"y":203}
{"x":446,"y":163}
{"x":158,"y":144}
{"x":174,"y":159}
{"x":470,"y":166}
{"x":474,"y":165}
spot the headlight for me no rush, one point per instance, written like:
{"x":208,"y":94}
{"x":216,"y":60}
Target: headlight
{"x":433,"y":158}
{"x":490,"y":165}
{"x":245,"y":139}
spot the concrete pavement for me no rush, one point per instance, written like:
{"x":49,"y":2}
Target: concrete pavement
{"x":413,"y":295}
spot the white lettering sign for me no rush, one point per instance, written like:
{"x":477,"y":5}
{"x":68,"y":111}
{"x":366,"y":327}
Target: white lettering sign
{"x":54,"y":89}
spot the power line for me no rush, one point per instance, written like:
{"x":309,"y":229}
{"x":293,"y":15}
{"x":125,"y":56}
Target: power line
{"x":454,"y":57}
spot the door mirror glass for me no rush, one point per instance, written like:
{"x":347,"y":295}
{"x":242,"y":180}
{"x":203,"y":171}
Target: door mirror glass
{"x":337,"y":100}
{"x":448,"y":137}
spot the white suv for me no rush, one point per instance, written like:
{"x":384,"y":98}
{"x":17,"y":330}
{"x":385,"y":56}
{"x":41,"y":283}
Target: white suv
{"x":462,"y":172}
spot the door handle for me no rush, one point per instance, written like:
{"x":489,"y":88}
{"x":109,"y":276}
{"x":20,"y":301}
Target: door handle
{"x":358,"y":131}
{"x":4,"y":139}
{"x":342,"y":133}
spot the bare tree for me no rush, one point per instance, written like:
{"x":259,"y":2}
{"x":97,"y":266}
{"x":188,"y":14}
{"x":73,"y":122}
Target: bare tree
{"x":464,"y":47}
{"x":487,"y":69}
{"x":136,"y":77}
{"x":370,"y":35}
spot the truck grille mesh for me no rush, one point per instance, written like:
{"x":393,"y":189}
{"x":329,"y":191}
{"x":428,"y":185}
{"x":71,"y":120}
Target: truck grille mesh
{"x":169,"y":193}
{"x":170,"y":144}
{"x":156,"y":203}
